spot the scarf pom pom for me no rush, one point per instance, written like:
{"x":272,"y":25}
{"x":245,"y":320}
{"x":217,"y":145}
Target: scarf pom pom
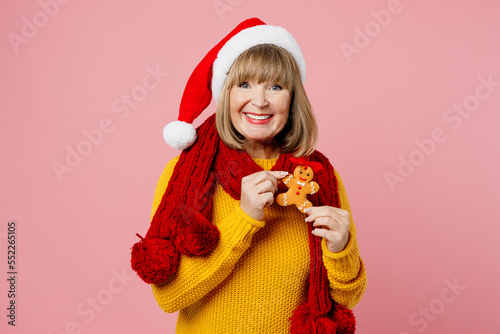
{"x":344,"y":318}
{"x":303,"y":321}
{"x":195,"y":236}
{"x":154,"y":260}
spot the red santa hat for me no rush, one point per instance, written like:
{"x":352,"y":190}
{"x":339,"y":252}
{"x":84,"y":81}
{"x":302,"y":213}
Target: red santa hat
{"x":208,"y":77}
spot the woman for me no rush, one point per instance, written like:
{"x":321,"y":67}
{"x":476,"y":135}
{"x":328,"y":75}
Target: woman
{"x":219,"y":248}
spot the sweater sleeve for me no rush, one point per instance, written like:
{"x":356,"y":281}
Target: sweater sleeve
{"x":346,"y":271}
{"x":197,"y":276}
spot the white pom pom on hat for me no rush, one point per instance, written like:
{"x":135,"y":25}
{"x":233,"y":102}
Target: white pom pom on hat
{"x":179,"y":134}
{"x":209,"y":75}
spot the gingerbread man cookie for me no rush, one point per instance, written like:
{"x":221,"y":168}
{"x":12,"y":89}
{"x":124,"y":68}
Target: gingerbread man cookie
{"x":300,"y":185}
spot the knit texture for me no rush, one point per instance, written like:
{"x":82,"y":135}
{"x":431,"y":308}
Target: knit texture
{"x":258,"y":273}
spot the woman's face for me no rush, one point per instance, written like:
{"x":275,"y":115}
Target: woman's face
{"x":259,"y":111}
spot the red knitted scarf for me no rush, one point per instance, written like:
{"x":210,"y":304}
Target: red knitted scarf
{"x":181,"y":224}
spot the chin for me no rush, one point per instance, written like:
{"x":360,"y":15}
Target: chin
{"x":261,"y":140}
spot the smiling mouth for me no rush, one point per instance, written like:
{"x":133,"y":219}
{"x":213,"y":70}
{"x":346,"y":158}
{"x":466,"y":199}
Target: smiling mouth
{"x":258,"y":117}
{"x":302,"y":178}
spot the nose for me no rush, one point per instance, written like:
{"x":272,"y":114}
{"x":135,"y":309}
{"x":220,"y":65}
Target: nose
{"x":259,"y":98}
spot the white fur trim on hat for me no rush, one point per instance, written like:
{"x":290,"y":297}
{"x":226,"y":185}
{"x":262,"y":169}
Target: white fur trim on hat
{"x":179,"y":134}
{"x":245,"y":39}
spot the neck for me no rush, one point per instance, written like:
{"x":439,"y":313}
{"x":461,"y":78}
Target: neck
{"x":258,"y":150}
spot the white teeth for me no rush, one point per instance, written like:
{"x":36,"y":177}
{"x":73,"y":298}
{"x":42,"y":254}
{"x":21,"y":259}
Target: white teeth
{"x":258,"y":117}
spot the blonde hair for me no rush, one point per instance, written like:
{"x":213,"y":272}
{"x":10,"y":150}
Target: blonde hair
{"x":267,"y":62}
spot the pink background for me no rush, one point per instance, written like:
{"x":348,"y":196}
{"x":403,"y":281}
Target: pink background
{"x":438,"y":227}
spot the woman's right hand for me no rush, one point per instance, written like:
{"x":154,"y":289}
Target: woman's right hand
{"x":257,"y":192}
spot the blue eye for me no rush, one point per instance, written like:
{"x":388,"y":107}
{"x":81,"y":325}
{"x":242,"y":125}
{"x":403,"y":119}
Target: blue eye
{"x":276,"y":87}
{"x":244,"y":85}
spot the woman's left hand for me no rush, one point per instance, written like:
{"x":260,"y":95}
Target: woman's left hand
{"x":332,"y":224}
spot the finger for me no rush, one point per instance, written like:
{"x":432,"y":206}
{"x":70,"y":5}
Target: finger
{"x":265,"y":178}
{"x":326,"y":211}
{"x":260,"y":177}
{"x":341,"y":212}
{"x":266,"y":186}
{"x":265,"y":200}
{"x":338,"y":227}
{"x":315,"y":212}
{"x":326,"y":222}
{"x":321,"y":232}
{"x":278,"y":174}
{"x":256,"y":177}
{"x":273,"y":179}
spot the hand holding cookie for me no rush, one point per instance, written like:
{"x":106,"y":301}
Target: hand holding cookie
{"x":257,"y":192}
{"x":332,"y":224}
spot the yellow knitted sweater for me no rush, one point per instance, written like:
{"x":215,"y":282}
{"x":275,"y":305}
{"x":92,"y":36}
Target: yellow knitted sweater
{"x":258,"y":273}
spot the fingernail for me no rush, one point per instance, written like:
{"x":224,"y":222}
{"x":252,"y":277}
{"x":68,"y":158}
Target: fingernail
{"x":283,"y":172}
